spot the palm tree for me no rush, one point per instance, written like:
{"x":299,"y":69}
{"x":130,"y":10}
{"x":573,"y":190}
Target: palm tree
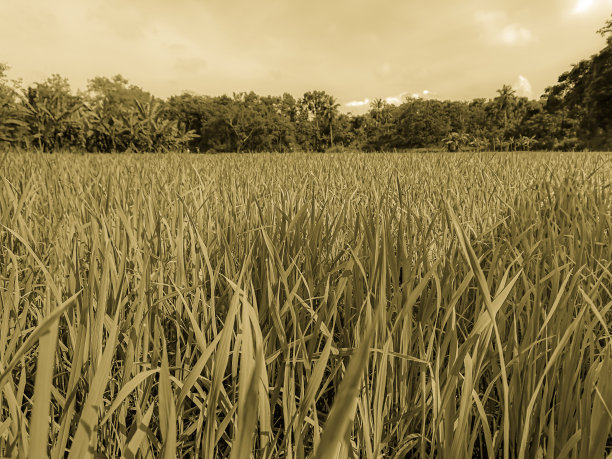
{"x":505,"y":102}
{"x":329,"y":112}
{"x":454,"y":141}
{"x":376,"y":107}
{"x":526,"y":142}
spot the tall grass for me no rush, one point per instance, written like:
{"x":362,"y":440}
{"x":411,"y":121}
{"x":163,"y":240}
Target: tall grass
{"x":344,"y":305}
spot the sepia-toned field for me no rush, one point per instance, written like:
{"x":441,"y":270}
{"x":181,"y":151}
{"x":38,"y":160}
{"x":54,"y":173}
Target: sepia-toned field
{"x":306,"y":305}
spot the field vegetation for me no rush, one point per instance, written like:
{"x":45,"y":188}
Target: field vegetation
{"x":339,"y":305}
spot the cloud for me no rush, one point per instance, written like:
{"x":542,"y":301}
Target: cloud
{"x":499,"y":30}
{"x":424,"y":94}
{"x":393,"y":100}
{"x":396,"y":100}
{"x":582,"y":6}
{"x":523,"y":87}
{"x":358,"y":103}
{"x":514,"y":34}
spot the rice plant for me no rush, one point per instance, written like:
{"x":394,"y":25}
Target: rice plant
{"x":338,"y":305}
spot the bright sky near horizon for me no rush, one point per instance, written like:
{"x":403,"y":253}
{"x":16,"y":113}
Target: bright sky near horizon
{"x":357,"y":50}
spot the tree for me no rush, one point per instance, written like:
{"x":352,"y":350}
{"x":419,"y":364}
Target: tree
{"x":114,"y":115}
{"x":584,"y":96}
{"x":191,"y":111}
{"x":287,"y":114}
{"x":13,"y":129}
{"x":598,"y":119}
{"x":319,"y":109}
{"x":243,"y":118}
{"x":330,"y":111}
{"x":150,"y":131}
{"x":455,"y":141}
{"x":506,"y":102}
{"x":525,"y":143}
{"x":421,"y":123}
{"x":606,"y":30}
{"x":378,"y":129}
{"x":111,"y":95}
{"x":109,"y":101}
{"x":53,"y":114}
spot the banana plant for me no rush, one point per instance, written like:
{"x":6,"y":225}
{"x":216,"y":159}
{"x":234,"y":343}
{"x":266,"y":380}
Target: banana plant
{"x":454,"y":141}
{"x":54,"y":122}
{"x":157,"y":133}
{"x":103,"y":132}
{"x":526,"y":142}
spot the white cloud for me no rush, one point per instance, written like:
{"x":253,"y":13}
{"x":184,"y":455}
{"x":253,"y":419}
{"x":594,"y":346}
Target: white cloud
{"x":395,"y":100}
{"x":523,"y":86}
{"x":582,"y":6}
{"x":424,"y":94}
{"x":358,"y":103}
{"x":499,"y":30}
{"x":514,"y":34}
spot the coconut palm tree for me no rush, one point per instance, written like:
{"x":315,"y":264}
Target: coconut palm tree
{"x":329,"y":112}
{"x":505,"y":102}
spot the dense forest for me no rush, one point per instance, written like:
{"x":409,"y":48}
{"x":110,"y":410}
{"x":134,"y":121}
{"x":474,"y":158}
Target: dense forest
{"x":112,"y":115}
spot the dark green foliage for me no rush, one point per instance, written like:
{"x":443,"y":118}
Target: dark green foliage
{"x":455,"y":142}
{"x":115,"y":116}
{"x":53,"y":115}
{"x":12,"y":125}
{"x":583,"y":97}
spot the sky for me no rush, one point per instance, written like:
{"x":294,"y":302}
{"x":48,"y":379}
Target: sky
{"x":356,"y":50}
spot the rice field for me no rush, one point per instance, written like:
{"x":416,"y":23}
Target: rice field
{"x":308,"y":305}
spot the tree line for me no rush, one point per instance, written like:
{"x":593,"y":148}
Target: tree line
{"x":112,"y":115}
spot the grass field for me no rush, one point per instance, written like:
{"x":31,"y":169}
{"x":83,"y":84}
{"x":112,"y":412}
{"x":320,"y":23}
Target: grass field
{"x":344,"y":305}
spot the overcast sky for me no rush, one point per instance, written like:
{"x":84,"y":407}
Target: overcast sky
{"x":354,"y":49}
